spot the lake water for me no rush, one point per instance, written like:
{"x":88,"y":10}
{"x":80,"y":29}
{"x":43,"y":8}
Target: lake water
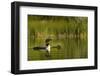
{"x":73,"y":48}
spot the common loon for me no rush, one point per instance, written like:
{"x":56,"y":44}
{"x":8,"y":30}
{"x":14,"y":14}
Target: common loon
{"x":47,"y":47}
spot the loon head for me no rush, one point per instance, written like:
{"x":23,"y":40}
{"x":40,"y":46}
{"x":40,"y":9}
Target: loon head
{"x":48,"y":40}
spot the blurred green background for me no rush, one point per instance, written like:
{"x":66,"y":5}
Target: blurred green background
{"x":69,"y":32}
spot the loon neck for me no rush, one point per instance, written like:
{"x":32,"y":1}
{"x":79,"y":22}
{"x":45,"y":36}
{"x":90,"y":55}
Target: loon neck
{"x":47,"y":44}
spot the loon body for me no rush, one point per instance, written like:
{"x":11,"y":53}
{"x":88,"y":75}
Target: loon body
{"x":47,"y":47}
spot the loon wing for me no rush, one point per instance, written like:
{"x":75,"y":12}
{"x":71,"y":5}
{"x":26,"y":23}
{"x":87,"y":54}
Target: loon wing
{"x":39,"y":48}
